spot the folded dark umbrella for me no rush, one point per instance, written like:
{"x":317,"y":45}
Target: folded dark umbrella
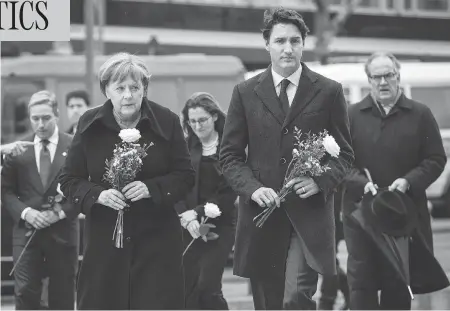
{"x":395,"y":249}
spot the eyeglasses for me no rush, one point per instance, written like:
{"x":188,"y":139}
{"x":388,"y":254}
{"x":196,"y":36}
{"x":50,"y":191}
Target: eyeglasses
{"x":201,"y":121}
{"x":387,"y":76}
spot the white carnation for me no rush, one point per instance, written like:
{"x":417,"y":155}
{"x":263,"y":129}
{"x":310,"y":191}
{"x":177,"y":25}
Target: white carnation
{"x":130,"y":135}
{"x":212,"y":210}
{"x":331,"y":146}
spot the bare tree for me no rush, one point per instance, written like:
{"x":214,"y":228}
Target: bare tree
{"x":328,"y":27}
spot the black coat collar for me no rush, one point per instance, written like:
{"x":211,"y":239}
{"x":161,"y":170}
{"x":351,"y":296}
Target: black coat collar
{"x":105,"y":115}
{"x":402,"y":102}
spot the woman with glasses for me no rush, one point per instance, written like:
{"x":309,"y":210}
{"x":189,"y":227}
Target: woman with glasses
{"x":204,"y":262}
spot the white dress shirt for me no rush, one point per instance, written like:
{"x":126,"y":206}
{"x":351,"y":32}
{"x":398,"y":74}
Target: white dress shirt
{"x":37,"y":152}
{"x":292,"y":87}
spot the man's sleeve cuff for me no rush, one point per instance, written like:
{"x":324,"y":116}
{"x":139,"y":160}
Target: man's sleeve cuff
{"x":24,"y":212}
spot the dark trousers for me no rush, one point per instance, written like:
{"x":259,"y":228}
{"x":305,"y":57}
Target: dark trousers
{"x":59,"y":261}
{"x":330,"y":286}
{"x":329,"y":290}
{"x":204,"y":264}
{"x":294,"y":291}
{"x":368,"y":271}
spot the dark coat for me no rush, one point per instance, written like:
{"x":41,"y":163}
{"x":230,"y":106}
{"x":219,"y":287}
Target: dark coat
{"x":256,"y":121}
{"x":22,"y":187}
{"x":404,"y":144}
{"x":147,"y":272}
{"x":224,"y":197}
{"x":204,"y":263}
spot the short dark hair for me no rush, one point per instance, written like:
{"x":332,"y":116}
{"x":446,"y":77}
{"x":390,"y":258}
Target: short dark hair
{"x":283,"y":16}
{"x":78,"y":94}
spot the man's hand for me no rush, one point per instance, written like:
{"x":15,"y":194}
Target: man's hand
{"x":16,"y":148}
{"x":399,"y":184}
{"x":193,"y":228}
{"x":266,"y":197}
{"x":135,"y":191}
{"x":37,"y":219}
{"x":112,"y":198}
{"x":303,"y":186}
{"x":50,"y":216}
{"x":370,"y":186}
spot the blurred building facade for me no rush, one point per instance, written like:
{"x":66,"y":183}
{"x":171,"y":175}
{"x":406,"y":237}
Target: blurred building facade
{"x":412,"y":29}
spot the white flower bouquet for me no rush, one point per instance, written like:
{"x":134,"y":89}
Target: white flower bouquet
{"x":122,"y":169}
{"x":308,"y":159}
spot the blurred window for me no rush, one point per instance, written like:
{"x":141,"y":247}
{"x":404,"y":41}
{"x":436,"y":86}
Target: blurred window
{"x":407,"y":4}
{"x":433,"y":5}
{"x":438,"y":99}
{"x":347,"y":95}
{"x":369,"y":3}
{"x":390,"y":4}
{"x":15,"y":97}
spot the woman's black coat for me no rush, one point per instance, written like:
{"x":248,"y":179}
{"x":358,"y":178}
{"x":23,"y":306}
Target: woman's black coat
{"x":147,"y":272}
{"x":224,"y":197}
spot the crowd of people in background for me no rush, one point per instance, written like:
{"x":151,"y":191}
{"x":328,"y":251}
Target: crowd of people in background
{"x":150,"y":242}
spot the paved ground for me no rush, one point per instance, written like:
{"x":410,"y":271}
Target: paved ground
{"x":236,"y":289}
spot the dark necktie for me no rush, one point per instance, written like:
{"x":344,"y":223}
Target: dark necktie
{"x":45,"y":161}
{"x":283,"y":95}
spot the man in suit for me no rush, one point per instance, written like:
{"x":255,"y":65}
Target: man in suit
{"x":29,"y":185}
{"x":297,"y":241}
{"x":77,"y":103}
{"x":398,"y":141}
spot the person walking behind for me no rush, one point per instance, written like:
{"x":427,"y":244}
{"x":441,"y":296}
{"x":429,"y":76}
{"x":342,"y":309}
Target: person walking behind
{"x":77,"y":102}
{"x":397,"y":141}
{"x":204,"y":263}
{"x":49,"y":228}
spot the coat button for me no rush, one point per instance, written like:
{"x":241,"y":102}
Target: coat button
{"x":283,"y":161}
{"x":285,"y":130}
{"x":76,"y":200}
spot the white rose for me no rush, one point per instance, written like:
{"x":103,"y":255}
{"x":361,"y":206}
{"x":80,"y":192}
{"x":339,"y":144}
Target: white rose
{"x":130,"y":135}
{"x":295,"y":153}
{"x":331,"y":146}
{"x":212,"y":210}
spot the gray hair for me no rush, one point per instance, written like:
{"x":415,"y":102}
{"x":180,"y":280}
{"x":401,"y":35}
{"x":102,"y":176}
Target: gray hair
{"x":381,"y":54}
{"x":46,"y":98}
{"x":120,"y":66}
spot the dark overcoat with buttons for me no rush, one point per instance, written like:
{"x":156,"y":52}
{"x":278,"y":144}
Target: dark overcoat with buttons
{"x":256,"y":121}
{"x":147,"y":272}
{"x":405,"y":143}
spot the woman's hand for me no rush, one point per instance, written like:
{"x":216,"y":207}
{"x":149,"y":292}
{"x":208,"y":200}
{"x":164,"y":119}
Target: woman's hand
{"x":135,"y":191}
{"x":112,"y":198}
{"x":187,"y":217}
{"x":193,"y":228}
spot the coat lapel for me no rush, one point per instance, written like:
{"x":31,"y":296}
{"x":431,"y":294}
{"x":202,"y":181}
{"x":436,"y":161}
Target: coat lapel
{"x":29,"y":157}
{"x":58,"y":160}
{"x":265,"y":90}
{"x":306,"y":91}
